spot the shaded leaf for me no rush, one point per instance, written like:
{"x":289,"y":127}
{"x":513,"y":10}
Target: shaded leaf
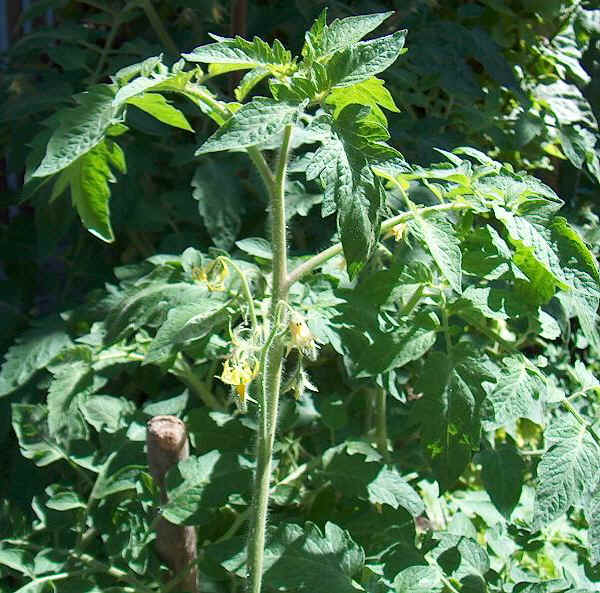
{"x":33,"y":350}
{"x":503,"y":471}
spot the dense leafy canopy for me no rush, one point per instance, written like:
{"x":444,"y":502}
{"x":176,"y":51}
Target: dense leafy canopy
{"x":439,"y":428}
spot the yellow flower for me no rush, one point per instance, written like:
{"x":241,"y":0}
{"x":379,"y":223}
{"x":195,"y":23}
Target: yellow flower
{"x":239,"y":375}
{"x":399,"y":231}
{"x":302,"y":337}
{"x":213,"y":274}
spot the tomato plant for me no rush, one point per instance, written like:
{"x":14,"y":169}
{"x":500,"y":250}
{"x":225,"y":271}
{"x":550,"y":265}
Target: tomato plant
{"x":400,"y":399}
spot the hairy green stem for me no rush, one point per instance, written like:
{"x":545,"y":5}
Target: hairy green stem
{"x":158,"y":27}
{"x":318,"y":260}
{"x":381,"y":423}
{"x":272,"y":364}
{"x":246,"y":291}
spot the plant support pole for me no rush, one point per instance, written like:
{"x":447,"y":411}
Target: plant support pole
{"x":273,"y":361}
{"x":167,"y":442}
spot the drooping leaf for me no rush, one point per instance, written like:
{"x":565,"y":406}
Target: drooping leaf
{"x":342,"y":164}
{"x":462,"y":558}
{"x":157,"y":106}
{"x":70,"y":380}
{"x":581,"y":272}
{"x":169,"y":336}
{"x":149,"y":303}
{"x":568,"y":470}
{"x":81,"y":129}
{"x":439,"y":236}
{"x":449,"y":411}
{"x":502,"y":472}
{"x":256,"y":246}
{"x":88,"y":178}
{"x":219,"y":202}
{"x":533,"y":248}
{"x":107,"y":413}
{"x":30,"y":425}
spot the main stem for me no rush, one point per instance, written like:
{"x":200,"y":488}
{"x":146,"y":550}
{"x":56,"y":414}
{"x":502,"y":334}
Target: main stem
{"x":273,"y":362}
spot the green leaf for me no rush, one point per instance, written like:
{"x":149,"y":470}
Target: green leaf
{"x":18,"y":559}
{"x":439,"y":236}
{"x":217,"y":430}
{"x":418,"y":579}
{"x":343,"y":165}
{"x":592,"y":515}
{"x":448,"y":412}
{"x":241,"y":54}
{"x":33,"y":350}
{"x":254,"y":123}
{"x":206,"y":481}
{"x":151,"y":302}
{"x":168,"y":339}
{"x":323,"y":39}
{"x":257,"y":247}
{"x":298,"y":559}
{"x":107,"y":413}
{"x":364,"y":59}
{"x":568,"y":470}
{"x":373,"y":351}
{"x":81,"y":129}
{"x":502,"y":472}
{"x":65,"y":499}
{"x":173,"y":82}
{"x":353,"y":475}
{"x":581,"y":272}
{"x":371,"y":93}
{"x":71,"y":380}
{"x":30,"y":425}
{"x":462,"y":558}
{"x":156,"y":105}
{"x":518,"y":393}
{"x":566,"y":103}
{"x":88,"y":177}
{"x":534,"y":254}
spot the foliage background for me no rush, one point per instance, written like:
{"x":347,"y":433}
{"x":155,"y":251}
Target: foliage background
{"x":477,"y":73}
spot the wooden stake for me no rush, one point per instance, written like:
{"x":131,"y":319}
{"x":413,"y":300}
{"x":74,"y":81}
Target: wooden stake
{"x":167,"y":443}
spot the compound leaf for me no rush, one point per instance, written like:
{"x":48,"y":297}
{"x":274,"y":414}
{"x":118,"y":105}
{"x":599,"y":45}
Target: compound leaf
{"x":568,"y":470}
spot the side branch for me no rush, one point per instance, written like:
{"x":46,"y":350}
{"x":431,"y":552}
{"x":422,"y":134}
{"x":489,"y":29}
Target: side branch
{"x":318,"y":260}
